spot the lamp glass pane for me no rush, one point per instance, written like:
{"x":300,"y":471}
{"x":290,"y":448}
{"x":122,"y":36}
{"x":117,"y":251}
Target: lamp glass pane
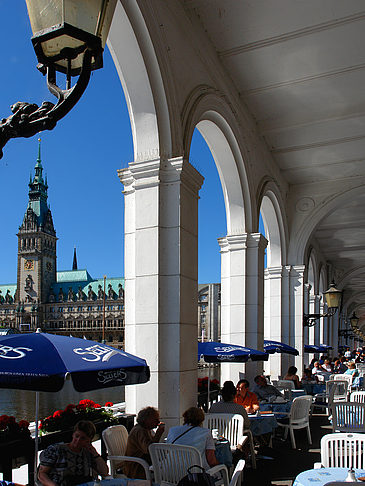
{"x":333,"y":297}
{"x":44,"y":14}
{"x":91,"y":16}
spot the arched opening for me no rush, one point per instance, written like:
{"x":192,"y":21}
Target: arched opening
{"x":275,"y":327}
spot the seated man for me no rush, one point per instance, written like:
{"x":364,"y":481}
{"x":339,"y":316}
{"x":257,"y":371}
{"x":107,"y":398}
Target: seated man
{"x":246,"y":398}
{"x":264,"y":391}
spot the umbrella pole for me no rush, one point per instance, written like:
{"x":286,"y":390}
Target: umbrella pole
{"x":36,"y":436}
{"x":208,"y":386}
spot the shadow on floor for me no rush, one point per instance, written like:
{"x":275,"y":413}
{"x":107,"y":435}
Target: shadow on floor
{"x":287,"y":463}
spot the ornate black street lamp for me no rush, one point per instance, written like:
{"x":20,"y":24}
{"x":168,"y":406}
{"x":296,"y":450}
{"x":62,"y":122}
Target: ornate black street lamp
{"x":68,"y":36}
{"x":333,"y":299}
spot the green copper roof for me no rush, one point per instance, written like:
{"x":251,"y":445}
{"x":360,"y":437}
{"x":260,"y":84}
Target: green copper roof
{"x":72,"y":282}
{"x":38,"y":191}
{"x":4,"y":288}
{"x":74,"y":276}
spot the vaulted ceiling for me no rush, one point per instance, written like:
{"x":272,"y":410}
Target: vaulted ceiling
{"x":299,"y":67}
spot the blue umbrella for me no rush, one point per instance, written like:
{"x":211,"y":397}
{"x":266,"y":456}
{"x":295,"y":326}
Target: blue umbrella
{"x":215,"y":352}
{"x":313,"y":348}
{"x":41,"y":362}
{"x":272,"y":347}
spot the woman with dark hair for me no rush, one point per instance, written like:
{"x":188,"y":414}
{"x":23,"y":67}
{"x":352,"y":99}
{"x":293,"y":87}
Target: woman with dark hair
{"x":192,"y":433}
{"x":139,"y":439}
{"x":292,"y":376}
{"x":228,"y":405}
{"x":72,"y":463}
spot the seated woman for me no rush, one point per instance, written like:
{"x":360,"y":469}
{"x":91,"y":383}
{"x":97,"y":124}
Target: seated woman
{"x":246,"y":398}
{"x":228,"y":405}
{"x":308,"y":378}
{"x":292,"y":376}
{"x":352,"y":370}
{"x":327,"y":366}
{"x":139,"y":439}
{"x":193,"y":434}
{"x":72,"y":463}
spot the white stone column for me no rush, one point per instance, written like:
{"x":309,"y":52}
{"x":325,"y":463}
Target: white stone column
{"x":274,"y":319}
{"x":323,"y":333}
{"x":317,"y":327}
{"x":286,"y":359}
{"x":242,"y":298}
{"x":335,"y":326}
{"x":161,"y":288}
{"x":306,"y":310}
{"x":297,"y":306}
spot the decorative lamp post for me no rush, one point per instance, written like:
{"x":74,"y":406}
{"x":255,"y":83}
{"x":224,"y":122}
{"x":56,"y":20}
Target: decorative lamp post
{"x":333,"y":300}
{"x":69,"y":37}
{"x":354,"y":320}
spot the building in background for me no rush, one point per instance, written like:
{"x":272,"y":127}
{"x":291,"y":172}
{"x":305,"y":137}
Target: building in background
{"x":209,"y":312}
{"x":66,"y":302}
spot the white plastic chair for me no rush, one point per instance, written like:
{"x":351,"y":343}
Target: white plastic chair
{"x":237,"y":473}
{"x":357,"y":396}
{"x":115,"y":439}
{"x":336,"y":391}
{"x":231,"y":427}
{"x":170,"y":463}
{"x":348,"y":417}
{"x":342,"y":450}
{"x":298,"y":418}
{"x":344,"y":376}
{"x":286,"y":386}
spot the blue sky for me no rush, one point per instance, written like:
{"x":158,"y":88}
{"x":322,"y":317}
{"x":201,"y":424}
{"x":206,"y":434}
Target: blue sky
{"x":81,"y":157}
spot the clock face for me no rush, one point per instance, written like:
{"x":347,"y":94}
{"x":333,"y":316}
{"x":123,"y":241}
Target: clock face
{"x":48,"y":266}
{"x":29,"y":264}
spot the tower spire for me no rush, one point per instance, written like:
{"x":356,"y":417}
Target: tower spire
{"x":74,"y":263}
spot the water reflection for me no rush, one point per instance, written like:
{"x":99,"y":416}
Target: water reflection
{"x":21,"y":403}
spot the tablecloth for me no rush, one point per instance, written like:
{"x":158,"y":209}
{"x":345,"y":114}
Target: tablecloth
{"x":276,"y":408}
{"x":262,"y":424}
{"x":119,"y":482}
{"x":324,"y":475}
{"x":314,"y":388}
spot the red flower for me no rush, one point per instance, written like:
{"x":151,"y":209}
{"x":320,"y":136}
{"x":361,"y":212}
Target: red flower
{"x":109,"y":404}
{"x":58,"y":414}
{"x":23,"y":424}
{"x":96,"y":405}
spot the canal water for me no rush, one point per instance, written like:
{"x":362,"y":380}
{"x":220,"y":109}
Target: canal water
{"x":21,"y":403}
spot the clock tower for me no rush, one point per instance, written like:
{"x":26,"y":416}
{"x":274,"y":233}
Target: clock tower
{"x":36,"y":250}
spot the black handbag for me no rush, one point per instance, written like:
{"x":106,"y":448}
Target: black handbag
{"x":197,"y":478}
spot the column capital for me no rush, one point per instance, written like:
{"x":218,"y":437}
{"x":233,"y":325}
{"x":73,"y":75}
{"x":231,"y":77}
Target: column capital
{"x":297,"y":270}
{"x":232,"y":242}
{"x":150,"y":173}
{"x":256,"y":239}
{"x":274,"y":272}
{"x":242,"y":241}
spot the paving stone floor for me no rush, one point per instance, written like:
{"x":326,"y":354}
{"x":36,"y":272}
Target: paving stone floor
{"x":287,"y":463}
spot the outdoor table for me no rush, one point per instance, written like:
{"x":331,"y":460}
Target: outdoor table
{"x":118,"y":482}
{"x":314,"y":388}
{"x":262,"y":423}
{"x":276,"y":408}
{"x":324,"y":475}
{"x":298,"y":393}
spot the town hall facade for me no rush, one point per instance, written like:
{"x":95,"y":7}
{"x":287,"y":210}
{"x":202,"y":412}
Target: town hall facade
{"x":67,"y":302}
